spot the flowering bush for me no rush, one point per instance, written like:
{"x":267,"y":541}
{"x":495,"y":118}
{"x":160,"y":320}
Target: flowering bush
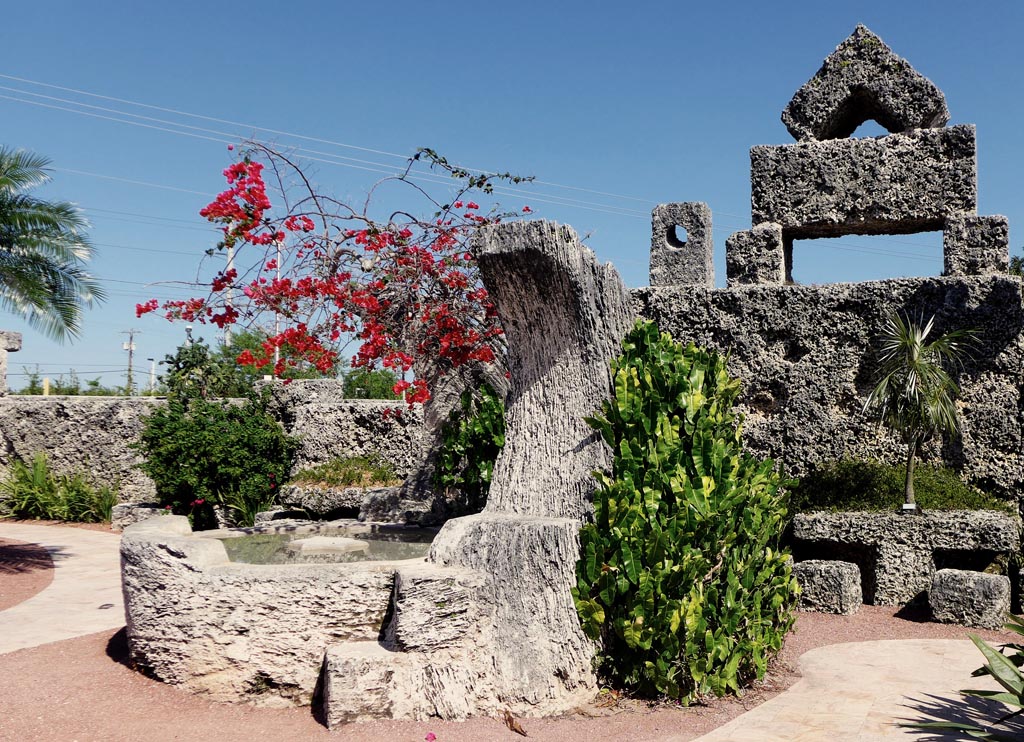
{"x":405,"y":290}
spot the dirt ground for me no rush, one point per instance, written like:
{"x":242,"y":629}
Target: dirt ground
{"x":82,"y":690}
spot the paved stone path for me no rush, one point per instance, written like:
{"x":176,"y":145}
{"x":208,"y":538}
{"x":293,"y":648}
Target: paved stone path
{"x":854,"y":692}
{"x":84,"y":597}
{"x":848,"y":692}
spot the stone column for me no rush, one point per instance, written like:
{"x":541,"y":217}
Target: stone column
{"x":10,"y":342}
{"x":564,"y":315}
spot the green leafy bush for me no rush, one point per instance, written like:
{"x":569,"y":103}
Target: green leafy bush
{"x":232,"y":455}
{"x":363,"y":383}
{"x":681,"y":579}
{"x":203,"y":453}
{"x":34,"y":491}
{"x":471,"y":440}
{"x":850,"y":484}
{"x":354,"y":471}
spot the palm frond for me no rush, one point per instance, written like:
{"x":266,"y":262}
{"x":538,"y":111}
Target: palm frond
{"x":43,"y":251}
{"x":915,"y":393}
{"x":21,"y":170}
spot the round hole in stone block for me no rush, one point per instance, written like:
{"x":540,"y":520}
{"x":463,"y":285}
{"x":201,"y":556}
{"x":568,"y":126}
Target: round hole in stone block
{"x":676,"y":236}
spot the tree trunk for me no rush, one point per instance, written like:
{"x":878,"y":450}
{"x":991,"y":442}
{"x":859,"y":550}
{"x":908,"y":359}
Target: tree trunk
{"x":908,"y":487}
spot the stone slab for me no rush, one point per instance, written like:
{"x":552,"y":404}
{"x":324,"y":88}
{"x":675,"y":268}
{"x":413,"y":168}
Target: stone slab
{"x":363,"y":681}
{"x":328,"y":545}
{"x":10,"y":342}
{"x":755,"y":257}
{"x":128,"y":513}
{"x":899,"y":184}
{"x":828,"y":586}
{"x":898,"y":550}
{"x":976,"y":245}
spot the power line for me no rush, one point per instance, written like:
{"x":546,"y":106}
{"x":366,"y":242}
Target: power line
{"x":332,"y":159}
{"x":285,"y":133}
{"x":133,"y":182}
{"x":378,"y":167}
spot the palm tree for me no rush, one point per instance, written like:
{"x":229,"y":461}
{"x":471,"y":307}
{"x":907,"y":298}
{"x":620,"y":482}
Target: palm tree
{"x":43,"y":251}
{"x":915,"y":397}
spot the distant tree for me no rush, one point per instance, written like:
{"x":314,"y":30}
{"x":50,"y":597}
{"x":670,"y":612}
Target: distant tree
{"x":68,"y":386}
{"x":365,"y":383}
{"x":43,"y":251}
{"x":35,"y":381}
{"x":1017,"y":265}
{"x":915,"y":396}
{"x":197,"y":372}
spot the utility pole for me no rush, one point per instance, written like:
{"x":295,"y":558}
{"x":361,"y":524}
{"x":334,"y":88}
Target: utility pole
{"x":130,"y":347}
{"x":152,"y":375}
{"x":229,"y":295}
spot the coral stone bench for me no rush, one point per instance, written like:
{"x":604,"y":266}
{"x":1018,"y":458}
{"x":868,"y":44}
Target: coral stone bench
{"x":829,"y":586}
{"x":970,"y":598}
{"x":897,"y":554}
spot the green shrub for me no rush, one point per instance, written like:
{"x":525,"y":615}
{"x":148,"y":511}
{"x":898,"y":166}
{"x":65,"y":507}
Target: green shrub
{"x":354,"y":471}
{"x":363,"y":383}
{"x":34,"y":491}
{"x":871,"y":485}
{"x":681,"y":579}
{"x":203,"y":453}
{"x":232,"y":455}
{"x":471,"y":440}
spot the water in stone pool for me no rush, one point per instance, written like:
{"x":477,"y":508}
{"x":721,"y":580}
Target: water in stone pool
{"x":329,"y":545}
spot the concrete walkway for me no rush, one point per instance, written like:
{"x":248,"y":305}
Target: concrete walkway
{"x":857,"y":691}
{"x":84,"y":597}
{"x":848,"y":692}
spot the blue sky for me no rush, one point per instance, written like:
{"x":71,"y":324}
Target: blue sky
{"x":637,"y":104}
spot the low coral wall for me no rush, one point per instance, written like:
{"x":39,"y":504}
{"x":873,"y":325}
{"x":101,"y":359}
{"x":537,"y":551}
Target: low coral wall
{"x":87,"y":434}
{"x":94,"y":434}
{"x":804,"y":354}
{"x":898,"y":554}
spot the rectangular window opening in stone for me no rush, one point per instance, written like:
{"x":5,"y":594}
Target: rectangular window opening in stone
{"x":859,"y":258}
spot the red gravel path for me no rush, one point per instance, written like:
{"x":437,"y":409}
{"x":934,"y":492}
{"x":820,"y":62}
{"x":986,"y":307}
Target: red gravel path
{"x":81,"y":690}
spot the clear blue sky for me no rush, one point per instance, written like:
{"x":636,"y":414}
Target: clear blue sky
{"x":643,"y":102}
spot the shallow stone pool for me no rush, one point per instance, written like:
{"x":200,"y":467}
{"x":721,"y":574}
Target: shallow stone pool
{"x":325,"y":544}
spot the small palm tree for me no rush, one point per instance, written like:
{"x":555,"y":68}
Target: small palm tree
{"x":915,"y":397}
{"x":43,"y":251}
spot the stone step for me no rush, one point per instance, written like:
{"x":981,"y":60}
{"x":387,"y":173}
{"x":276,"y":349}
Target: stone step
{"x":363,"y":681}
{"x":434,"y":607}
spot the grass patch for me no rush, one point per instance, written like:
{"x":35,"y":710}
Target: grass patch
{"x":355,"y":471}
{"x":871,"y":485}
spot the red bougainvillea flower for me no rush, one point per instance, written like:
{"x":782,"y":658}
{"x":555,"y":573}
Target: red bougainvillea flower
{"x":405,"y":292}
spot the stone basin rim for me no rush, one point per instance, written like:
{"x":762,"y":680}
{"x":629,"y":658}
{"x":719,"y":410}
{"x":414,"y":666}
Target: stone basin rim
{"x":213,"y":557}
{"x":359,"y":528}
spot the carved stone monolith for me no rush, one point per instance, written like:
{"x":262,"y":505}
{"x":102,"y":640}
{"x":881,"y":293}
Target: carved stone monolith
{"x":521,"y":646}
{"x":564,"y":315}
